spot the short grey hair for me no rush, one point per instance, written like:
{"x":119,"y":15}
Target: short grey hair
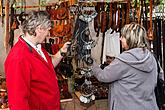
{"x":35,"y":19}
{"x":135,"y":35}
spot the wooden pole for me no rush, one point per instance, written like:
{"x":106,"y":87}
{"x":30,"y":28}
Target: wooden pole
{"x":6,"y":36}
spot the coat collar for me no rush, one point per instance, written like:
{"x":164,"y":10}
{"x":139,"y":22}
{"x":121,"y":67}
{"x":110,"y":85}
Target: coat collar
{"x":35,"y":53}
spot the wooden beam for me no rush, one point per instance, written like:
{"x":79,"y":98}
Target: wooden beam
{"x":28,"y":6}
{"x":6,"y":36}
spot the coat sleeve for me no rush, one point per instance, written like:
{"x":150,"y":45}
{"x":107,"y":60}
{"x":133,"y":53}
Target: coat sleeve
{"x":110,"y":73}
{"x":18,"y":84}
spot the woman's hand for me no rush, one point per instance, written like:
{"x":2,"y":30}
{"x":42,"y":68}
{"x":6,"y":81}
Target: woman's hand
{"x":64,"y":48}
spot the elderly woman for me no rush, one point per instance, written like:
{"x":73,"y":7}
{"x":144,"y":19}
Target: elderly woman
{"x":133,"y":74}
{"x":31,"y":80}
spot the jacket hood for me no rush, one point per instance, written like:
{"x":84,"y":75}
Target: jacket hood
{"x":138,"y":58}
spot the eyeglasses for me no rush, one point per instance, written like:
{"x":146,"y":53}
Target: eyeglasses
{"x":108,"y":57}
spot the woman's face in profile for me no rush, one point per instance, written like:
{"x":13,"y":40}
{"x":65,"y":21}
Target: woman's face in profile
{"x":124,"y":43}
{"x":42,"y":33}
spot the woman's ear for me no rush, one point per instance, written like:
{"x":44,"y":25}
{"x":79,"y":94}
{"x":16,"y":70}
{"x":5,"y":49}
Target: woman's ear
{"x":37,"y":31}
{"x":34,"y":34}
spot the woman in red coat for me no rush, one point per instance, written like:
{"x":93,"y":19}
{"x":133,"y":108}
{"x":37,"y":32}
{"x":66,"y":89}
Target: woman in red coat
{"x":30,"y":76}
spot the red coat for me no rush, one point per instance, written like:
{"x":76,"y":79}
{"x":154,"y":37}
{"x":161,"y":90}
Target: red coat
{"x":31,"y":81}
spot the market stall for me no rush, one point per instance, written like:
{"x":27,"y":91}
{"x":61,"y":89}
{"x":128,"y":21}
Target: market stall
{"x":91,"y":26}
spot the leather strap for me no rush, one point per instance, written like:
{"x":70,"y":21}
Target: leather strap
{"x":110,"y":15}
{"x":114,"y":14}
{"x":97,"y":22}
{"x":103,"y":18}
{"x":123,"y":15}
{"x":145,"y":20}
{"x":103,"y":21}
{"x":150,"y":30}
{"x":127,"y":12}
{"x":142,"y":13}
{"x":138,"y":12}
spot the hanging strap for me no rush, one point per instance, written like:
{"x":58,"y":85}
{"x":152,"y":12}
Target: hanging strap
{"x":150,"y":30}
{"x":128,"y":10}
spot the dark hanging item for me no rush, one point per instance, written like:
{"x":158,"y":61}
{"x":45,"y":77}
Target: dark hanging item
{"x":21,"y":17}
{"x":145,"y":21}
{"x":110,"y":15}
{"x":163,"y":35}
{"x":103,"y":21}
{"x":114,"y":27}
{"x":14,"y":22}
{"x":160,"y":88}
{"x":155,"y":41}
{"x":128,"y":11}
{"x":159,"y":40}
{"x":97,"y":19}
{"x":142,"y":11}
{"x":83,"y":40}
{"x":66,"y":67}
{"x":102,"y":47}
{"x":123,"y":14}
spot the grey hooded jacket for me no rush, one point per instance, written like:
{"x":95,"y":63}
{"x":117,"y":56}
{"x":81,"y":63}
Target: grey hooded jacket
{"x":133,"y":76}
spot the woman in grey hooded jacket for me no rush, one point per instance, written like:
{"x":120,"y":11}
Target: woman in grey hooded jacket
{"x":133,"y":74}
